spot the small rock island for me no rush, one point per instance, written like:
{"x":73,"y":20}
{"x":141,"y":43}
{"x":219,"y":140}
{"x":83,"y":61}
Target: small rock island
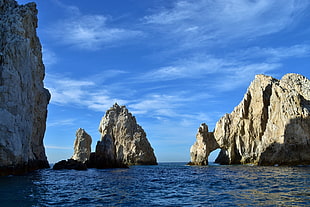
{"x":123,"y":143}
{"x":271,"y":126}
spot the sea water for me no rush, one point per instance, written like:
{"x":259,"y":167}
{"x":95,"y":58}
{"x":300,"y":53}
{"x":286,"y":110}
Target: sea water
{"x":167,"y":184}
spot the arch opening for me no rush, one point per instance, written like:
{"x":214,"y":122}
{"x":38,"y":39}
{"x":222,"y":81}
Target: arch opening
{"x":213,"y":155}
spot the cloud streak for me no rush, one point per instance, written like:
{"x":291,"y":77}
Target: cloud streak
{"x":235,"y":68}
{"x":80,"y":93}
{"x":90,"y":32}
{"x":204,"y":22}
{"x":57,"y":147}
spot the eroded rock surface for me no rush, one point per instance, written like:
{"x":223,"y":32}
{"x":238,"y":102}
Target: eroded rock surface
{"x":270,"y":126}
{"x":82,"y":146}
{"x":204,"y":145}
{"x":123,"y":140}
{"x":23,"y":98}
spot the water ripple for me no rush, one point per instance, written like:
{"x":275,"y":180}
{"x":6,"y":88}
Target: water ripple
{"x":168,"y":184}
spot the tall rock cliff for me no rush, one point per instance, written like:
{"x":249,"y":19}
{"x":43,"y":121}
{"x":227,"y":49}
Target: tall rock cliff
{"x":270,"y":126}
{"x":23,"y":98}
{"x":123,"y":140}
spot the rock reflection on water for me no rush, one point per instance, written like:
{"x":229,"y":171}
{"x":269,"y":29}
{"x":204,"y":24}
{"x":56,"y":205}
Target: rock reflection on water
{"x":168,"y":184}
{"x":273,"y":186}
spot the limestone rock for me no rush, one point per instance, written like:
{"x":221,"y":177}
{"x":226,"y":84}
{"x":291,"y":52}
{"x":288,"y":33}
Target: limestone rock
{"x":105,"y":155}
{"x":82,"y":146}
{"x":270,"y":126}
{"x":23,"y":98}
{"x":123,"y":140}
{"x":205,"y":143}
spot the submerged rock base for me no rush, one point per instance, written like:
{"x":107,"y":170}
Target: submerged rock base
{"x":23,"y":168}
{"x":70,"y":164}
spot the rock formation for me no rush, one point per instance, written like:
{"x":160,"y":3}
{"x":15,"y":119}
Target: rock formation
{"x":270,"y":126}
{"x":70,"y":164}
{"x":204,"y":145}
{"x":123,"y":140}
{"x":82,"y":146}
{"x":23,"y":98}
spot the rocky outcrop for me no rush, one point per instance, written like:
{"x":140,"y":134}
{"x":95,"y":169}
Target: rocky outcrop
{"x":204,"y":145}
{"x":123,"y":140}
{"x":23,"y":98}
{"x":70,"y":164}
{"x":270,"y":126}
{"x":82,"y":146}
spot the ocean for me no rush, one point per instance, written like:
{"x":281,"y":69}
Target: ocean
{"x":167,"y":184}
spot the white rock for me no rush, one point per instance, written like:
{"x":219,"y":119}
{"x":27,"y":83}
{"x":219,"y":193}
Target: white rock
{"x":131,"y":146}
{"x":82,"y":146}
{"x":23,"y":98}
{"x":270,"y":126}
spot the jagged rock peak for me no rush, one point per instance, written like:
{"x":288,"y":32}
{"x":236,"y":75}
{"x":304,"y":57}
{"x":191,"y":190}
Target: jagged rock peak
{"x":82,"y":146}
{"x":129,"y":143}
{"x":23,"y":98}
{"x":271,"y":125}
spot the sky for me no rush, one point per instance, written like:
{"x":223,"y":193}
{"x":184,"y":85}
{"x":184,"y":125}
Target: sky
{"x":174,"y":63}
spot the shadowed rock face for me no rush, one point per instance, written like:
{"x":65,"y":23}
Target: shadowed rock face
{"x":23,"y":98}
{"x":270,"y":126}
{"x":123,"y":140}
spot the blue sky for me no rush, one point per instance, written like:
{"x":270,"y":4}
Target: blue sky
{"x":174,"y":63}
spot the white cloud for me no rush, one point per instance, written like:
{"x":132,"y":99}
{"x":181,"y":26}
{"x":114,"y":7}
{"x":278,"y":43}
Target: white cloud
{"x":232,"y":70}
{"x":204,"y":22}
{"x":90,"y":32}
{"x":49,"y":57}
{"x":195,"y":67}
{"x":82,"y":93}
{"x":65,"y":122}
{"x":275,"y":54}
{"x":57,"y":147}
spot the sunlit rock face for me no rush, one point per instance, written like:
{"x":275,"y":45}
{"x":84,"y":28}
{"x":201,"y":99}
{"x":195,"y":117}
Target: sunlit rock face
{"x":204,"y":145}
{"x":270,"y":126}
{"x":82,"y":146}
{"x":123,"y":140}
{"x":23,"y":98}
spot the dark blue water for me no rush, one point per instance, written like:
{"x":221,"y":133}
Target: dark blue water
{"x":168,"y":184}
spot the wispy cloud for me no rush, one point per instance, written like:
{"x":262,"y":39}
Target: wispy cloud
{"x":195,"y":67}
{"x":58,"y":147}
{"x":91,"y":32}
{"x":274,"y":54}
{"x":85,"y":93}
{"x":200,"y":23}
{"x":49,"y":57}
{"x":64,"y":122}
{"x":231,"y":70}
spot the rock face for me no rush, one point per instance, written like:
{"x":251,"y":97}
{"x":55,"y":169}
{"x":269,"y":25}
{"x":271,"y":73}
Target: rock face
{"x":204,"y":145}
{"x":23,"y":98}
{"x":82,"y":146}
{"x":70,"y":164}
{"x":270,"y":126}
{"x":123,"y":140}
